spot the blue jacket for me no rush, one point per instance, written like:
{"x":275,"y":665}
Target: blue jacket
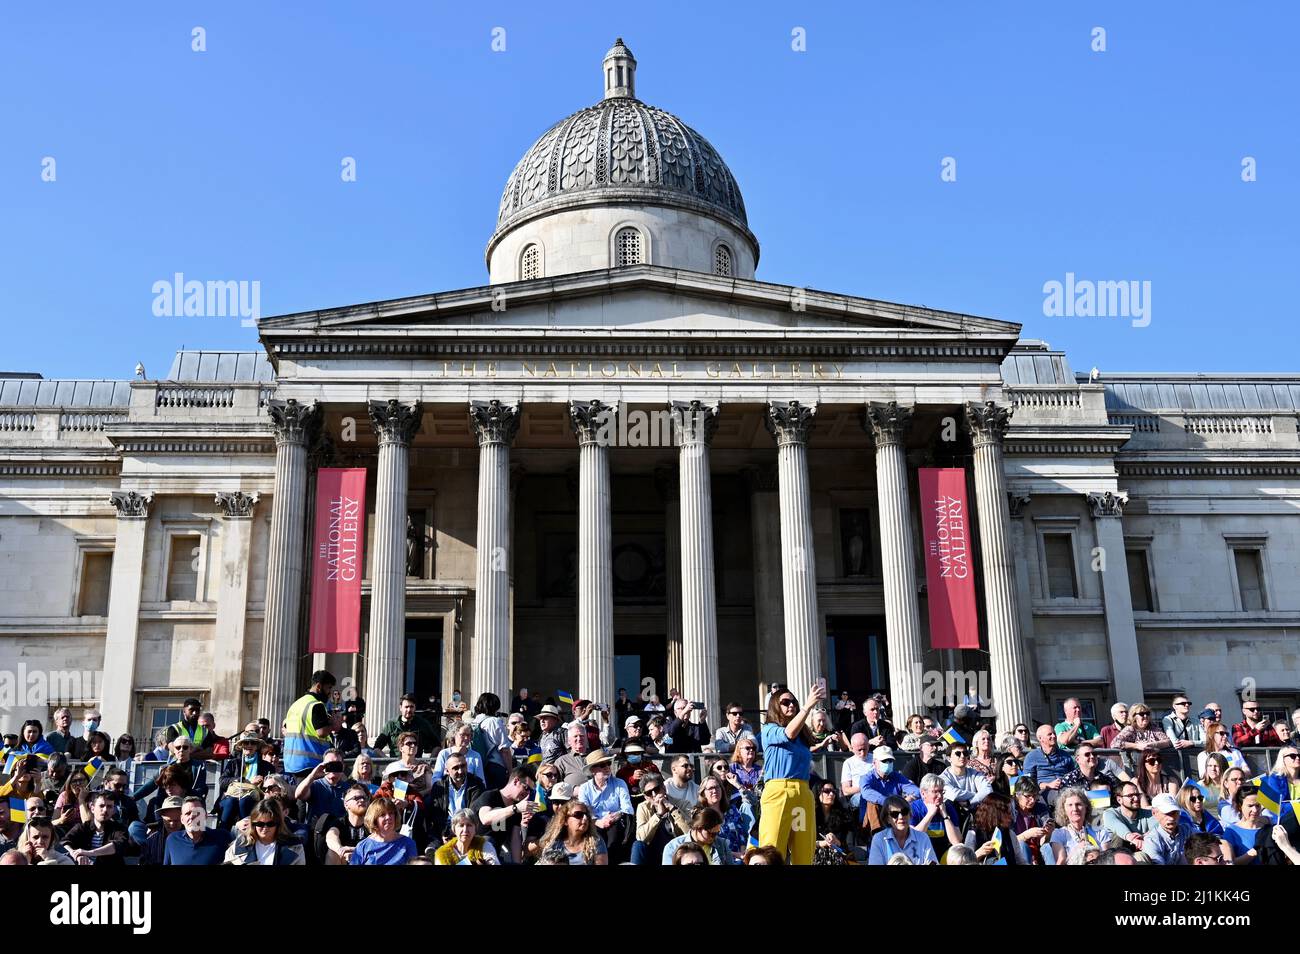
{"x":876,"y":789}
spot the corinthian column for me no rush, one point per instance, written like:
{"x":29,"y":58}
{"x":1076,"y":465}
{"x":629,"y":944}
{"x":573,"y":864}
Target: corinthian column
{"x":396,"y":425}
{"x":668,"y":481}
{"x":988,"y":424}
{"x":590,"y":421}
{"x":888,"y":425}
{"x":495,"y":424}
{"x":695,"y":423}
{"x":295,"y":427}
{"x":790,"y":424}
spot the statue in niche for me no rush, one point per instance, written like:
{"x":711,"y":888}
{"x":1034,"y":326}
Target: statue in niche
{"x":853,"y":541}
{"x":414,"y":548}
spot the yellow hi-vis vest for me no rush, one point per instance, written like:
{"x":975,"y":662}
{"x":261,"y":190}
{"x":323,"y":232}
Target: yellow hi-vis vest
{"x":304,"y":746}
{"x":197,"y":736}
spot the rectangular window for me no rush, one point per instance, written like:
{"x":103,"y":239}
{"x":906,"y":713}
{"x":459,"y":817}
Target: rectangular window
{"x":1250,"y":578}
{"x":1060,"y":566}
{"x":1139,"y":580}
{"x":96,"y":576}
{"x":182,"y":572}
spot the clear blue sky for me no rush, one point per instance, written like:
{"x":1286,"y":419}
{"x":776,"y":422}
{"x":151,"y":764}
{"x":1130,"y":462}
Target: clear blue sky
{"x":1122,"y":165}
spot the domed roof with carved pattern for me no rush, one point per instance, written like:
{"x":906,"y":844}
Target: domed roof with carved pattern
{"x":621,"y":149}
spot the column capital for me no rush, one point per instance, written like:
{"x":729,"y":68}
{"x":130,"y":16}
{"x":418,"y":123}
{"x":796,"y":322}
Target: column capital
{"x":494,"y":422}
{"x":294,"y":423}
{"x":1106,"y":505}
{"x":131,"y":505}
{"x":790,"y":422}
{"x":987,"y":422}
{"x":762,"y":479}
{"x":668,"y":482}
{"x":395,"y":422}
{"x":237,"y":505}
{"x":887,"y":423}
{"x":694,"y":422}
{"x":1016,"y":503}
{"x":589,"y":418}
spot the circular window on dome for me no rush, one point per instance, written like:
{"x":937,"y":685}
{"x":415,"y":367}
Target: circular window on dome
{"x":722,"y":260}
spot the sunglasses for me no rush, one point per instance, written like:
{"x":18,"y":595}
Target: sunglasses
{"x":787,"y":702}
{"x":579,"y":815}
{"x":897,"y":814}
{"x":550,"y":775}
{"x":264,"y":824}
{"x":1196,"y":798}
{"x":1015,"y":762}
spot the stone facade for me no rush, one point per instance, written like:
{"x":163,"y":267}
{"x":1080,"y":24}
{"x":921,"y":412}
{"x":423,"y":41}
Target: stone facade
{"x":1137,"y":535}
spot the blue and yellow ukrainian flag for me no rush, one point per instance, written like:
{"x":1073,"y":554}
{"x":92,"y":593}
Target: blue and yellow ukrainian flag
{"x":400,"y":788}
{"x":92,"y":767}
{"x":11,"y":760}
{"x":18,"y":811}
{"x":1100,"y":798}
{"x":565,"y":697}
{"x":1272,"y":792}
{"x":540,"y":798}
{"x":953,"y":737}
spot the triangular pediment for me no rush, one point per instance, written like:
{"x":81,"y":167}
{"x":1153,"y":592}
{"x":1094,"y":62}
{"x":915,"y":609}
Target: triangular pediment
{"x":640,"y":300}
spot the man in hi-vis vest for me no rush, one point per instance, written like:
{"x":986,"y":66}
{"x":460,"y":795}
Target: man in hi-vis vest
{"x":308,"y":727}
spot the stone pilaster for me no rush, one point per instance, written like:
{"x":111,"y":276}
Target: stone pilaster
{"x":1121,"y":633}
{"x":1024,"y":553}
{"x":988,"y":424}
{"x":695,"y":423}
{"x":667,"y":479}
{"x":888,"y":425}
{"x":765,"y":537}
{"x":232,"y":606}
{"x":495,"y":425}
{"x":117,"y":702}
{"x":595,"y":545}
{"x":791,"y":423}
{"x":296,"y":426}
{"x":395,"y":424}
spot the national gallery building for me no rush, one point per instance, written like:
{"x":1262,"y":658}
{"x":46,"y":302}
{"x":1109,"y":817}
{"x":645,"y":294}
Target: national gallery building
{"x":627,"y":462}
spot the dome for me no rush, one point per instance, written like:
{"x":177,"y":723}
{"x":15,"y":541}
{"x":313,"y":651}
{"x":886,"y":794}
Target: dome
{"x":621,"y":144}
{"x":622,"y":152}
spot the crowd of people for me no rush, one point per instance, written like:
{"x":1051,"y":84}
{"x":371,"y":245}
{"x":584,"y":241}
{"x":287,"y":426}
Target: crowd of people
{"x":811,"y":781}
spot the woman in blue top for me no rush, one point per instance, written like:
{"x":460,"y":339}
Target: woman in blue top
{"x":899,"y":837}
{"x":385,"y":846}
{"x":787,"y":763}
{"x":1243,"y":836}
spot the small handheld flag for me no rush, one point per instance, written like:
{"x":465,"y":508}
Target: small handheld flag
{"x":1272,"y":792}
{"x":1100,"y":798}
{"x":11,"y":761}
{"x":953,"y":737}
{"x":540,"y":798}
{"x":400,"y":788}
{"x":18,"y":810}
{"x":565,"y":697}
{"x":92,"y":767}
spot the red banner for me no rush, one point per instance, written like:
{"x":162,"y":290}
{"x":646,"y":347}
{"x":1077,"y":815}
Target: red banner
{"x":949,"y":571}
{"x":338,"y":550}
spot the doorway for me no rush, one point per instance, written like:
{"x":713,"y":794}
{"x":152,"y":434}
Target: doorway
{"x":855,"y":647}
{"x":641,"y":665}
{"x":424,"y":662}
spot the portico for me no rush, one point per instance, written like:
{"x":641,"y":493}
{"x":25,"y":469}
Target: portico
{"x":842,"y":398}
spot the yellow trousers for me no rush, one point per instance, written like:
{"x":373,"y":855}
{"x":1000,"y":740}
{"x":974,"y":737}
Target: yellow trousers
{"x":788,"y":821}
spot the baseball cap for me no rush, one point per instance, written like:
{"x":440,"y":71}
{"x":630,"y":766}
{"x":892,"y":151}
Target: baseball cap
{"x":882,"y":753}
{"x":1207,"y":714}
{"x":630,"y":720}
{"x":1165,"y":804}
{"x":560,"y":792}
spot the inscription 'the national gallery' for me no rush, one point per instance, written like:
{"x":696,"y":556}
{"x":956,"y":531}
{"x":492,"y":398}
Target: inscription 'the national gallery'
{"x":645,"y":370}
